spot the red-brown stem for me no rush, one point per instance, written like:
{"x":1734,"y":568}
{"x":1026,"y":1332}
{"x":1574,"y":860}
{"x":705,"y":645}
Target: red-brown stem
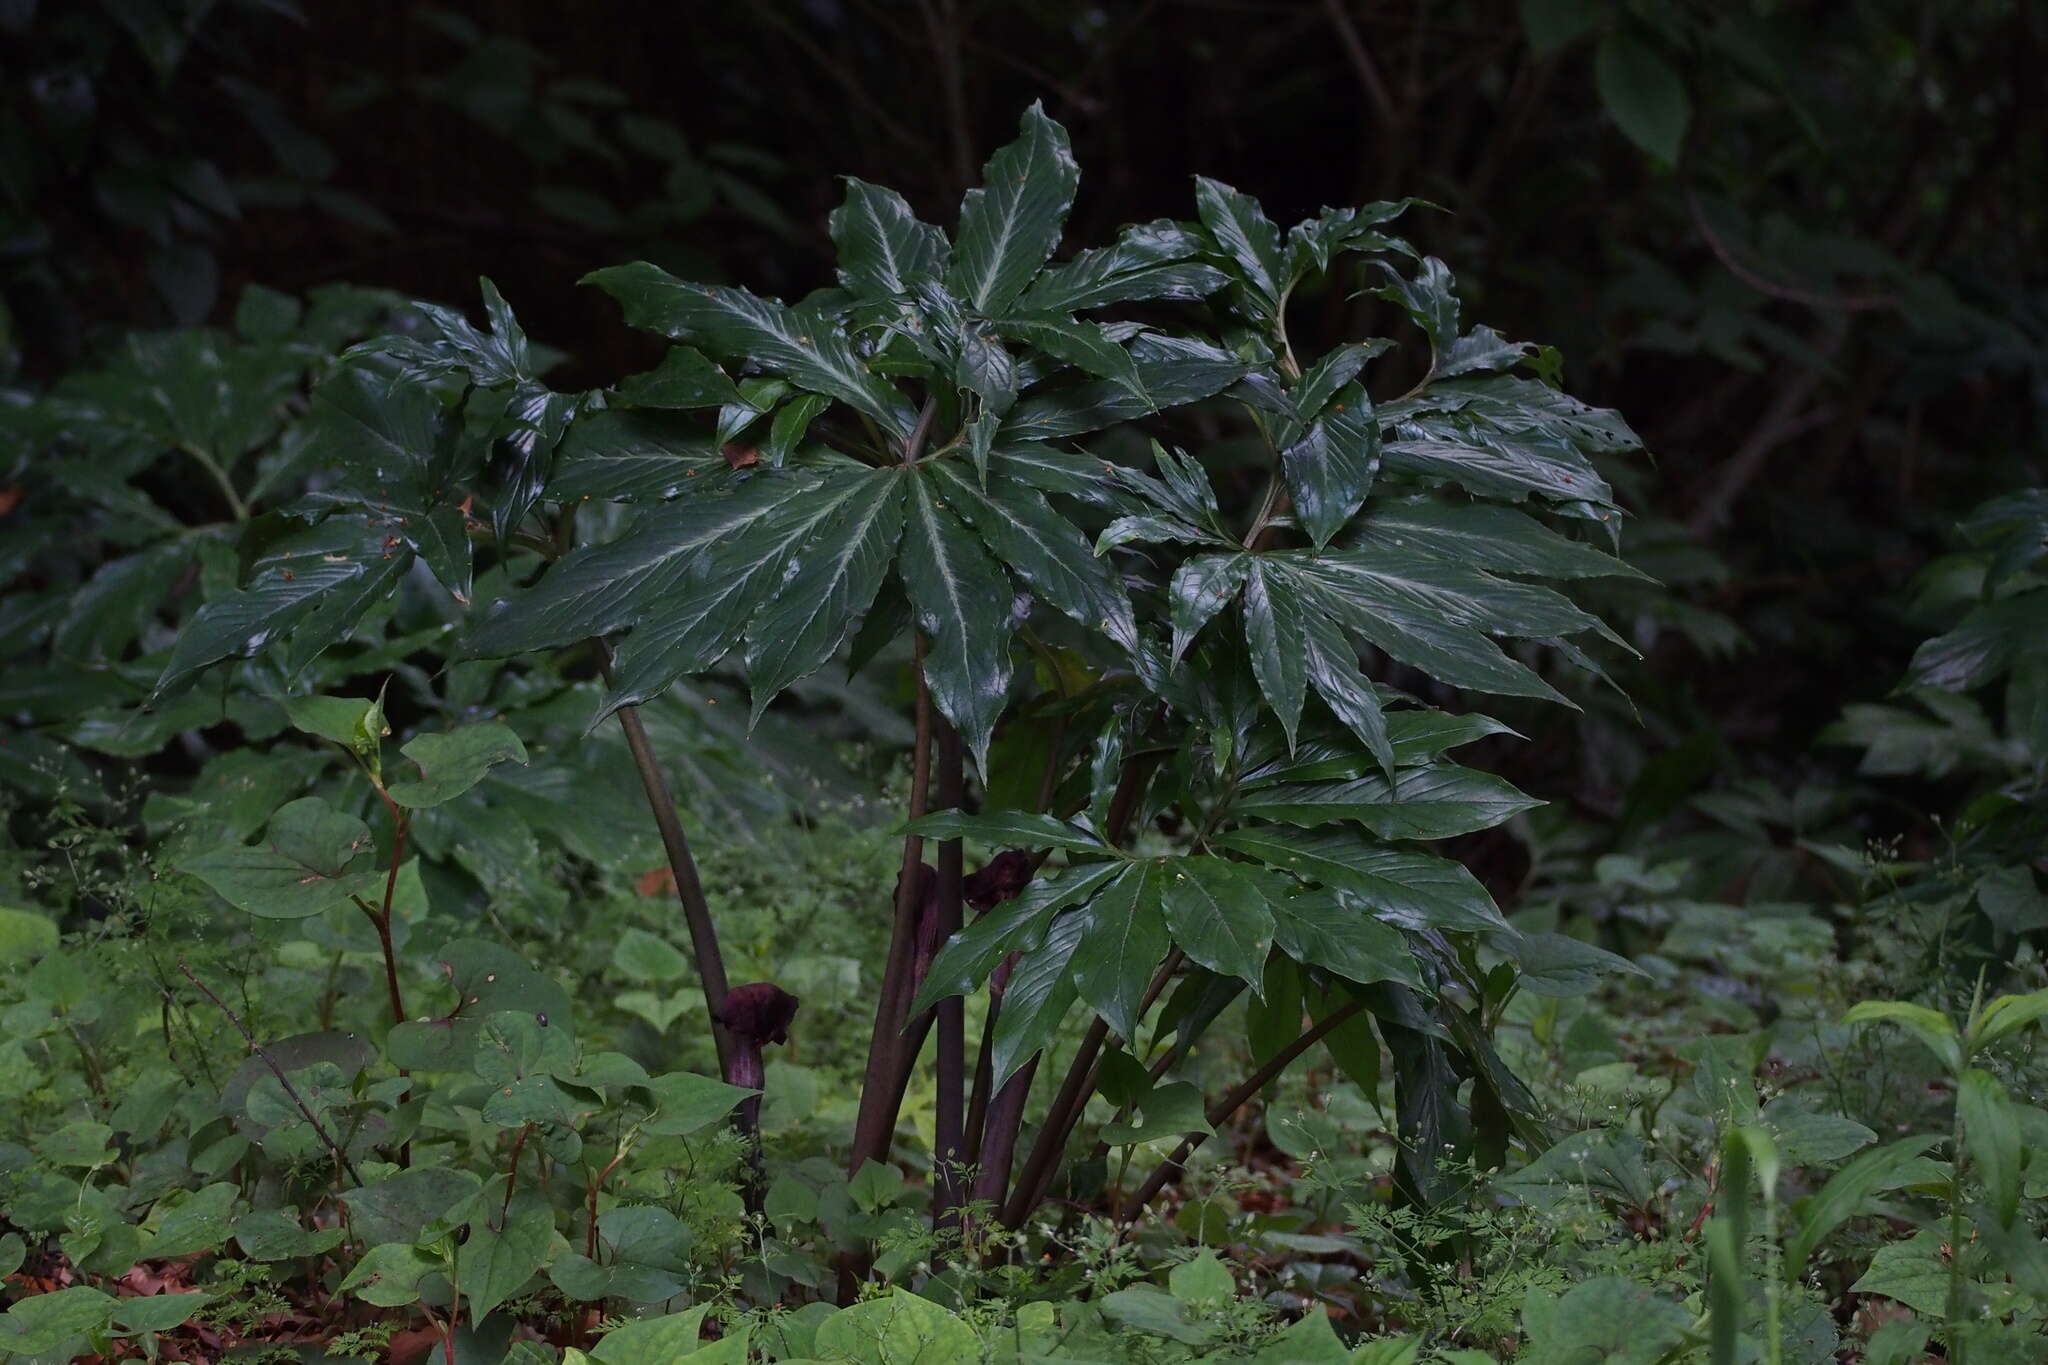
{"x":999,"y":1145}
{"x":590,"y":1233}
{"x":512,"y":1170}
{"x":881,"y":1096}
{"x":401,"y":823}
{"x":1068,"y":1105}
{"x":1237,"y":1099}
{"x":948,"y":1131}
{"x":704,"y":949}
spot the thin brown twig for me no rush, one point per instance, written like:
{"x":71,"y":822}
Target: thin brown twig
{"x":340,"y":1155}
{"x":1237,"y":1099}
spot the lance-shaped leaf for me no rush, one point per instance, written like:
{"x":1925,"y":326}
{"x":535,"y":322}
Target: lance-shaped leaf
{"x":1123,"y":939}
{"x":1039,"y":994}
{"x":1331,"y":468}
{"x":701,"y":621}
{"x":1041,"y":547}
{"x":1332,"y":664}
{"x":626,"y":456}
{"x":883,"y":248}
{"x":1430,"y":300}
{"x":810,"y":348}
{"x":534,"y":419}
{"x":1010,"y":226}
{"x":1218,"y":914}
{"x":1084,"y":345}
{"x":1323,"y":929}
{"x":1171,"y":370}
{"x":1276,"y":629}
{"x":1417,"y":737}
{"x":961,"y":599}
{"x":1321,"y":381}
{"x":685,"y":379}
{"x":1006,"y":829}
{"x":1017,"y":925}
{"x":1419,"y":803}
{"x":1499,"y":466}
{"x":1407,"y":889}
{"x":309,"y":588}
{"x":312,"y":857}
{"x":1147,"y":261}
{"x":599,"y":589}
{"x":828,"y":585}
{"x":450,"y":764}
{"x":1409,"y":630}
{"x":1497,"y":538}
{"x":792,"y":420}
{"x":1401,"y":586}
{"x":1201,"y":587}
{"x":1246,"y":237}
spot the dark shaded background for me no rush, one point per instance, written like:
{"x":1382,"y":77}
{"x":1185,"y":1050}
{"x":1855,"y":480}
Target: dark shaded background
{"x":1826,"y":314}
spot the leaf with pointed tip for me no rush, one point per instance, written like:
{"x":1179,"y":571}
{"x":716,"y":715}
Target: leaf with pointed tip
{"x":1495,"y":464}
{"x":1409,"y":625}
{"x":1151,"y":531}
{"x":536,"y":418}
{"x":1482,"y":348}
{"x":1321,"y":381}
{"x":1497,"y":538}
{"x":883,"y":248}
{"x":703,"y":616}
{"x":397,"y":449}
{"x":1420,"y":803}
{"x":1314,"y":242}
{"x":810,"y":348}
{"x":1400,"y":586}
{"x":450,"y":764}
{"x":599,"y":589}
{"x":1147,"y":261}
{"x":1084,"y":345}
{"x":1011,"y":225}
{"x":1172,"y":370}
{"x":1332,"y":664}
{"x":1005,"y":829}
{"x":685,"y":379}
{"x":986,"y":368}
{"x":1248,"y":238}
{"x":1081,"y":477}
{"x":312,"y":857}
{"x":1418,"y":737}
{"x":792,"y":420}
{"x":1041,"y":547}
{"x":1407,"y":889}
{"x":961,"y":598}
{"x":1201,"y":587}
{"x":1123,"y":939}
{"x":1218,"y":914}
{"x":828,"y":585}
{"x":307,"y":589}
{"x":1017,"y":925}
{"x":1430,"y":300}
{"x":1039,"y":993}
{"x":1276,"y":628}
{"x":1323,"y":929}
{"x":626,"y":456}
{"x":1331,"y":468}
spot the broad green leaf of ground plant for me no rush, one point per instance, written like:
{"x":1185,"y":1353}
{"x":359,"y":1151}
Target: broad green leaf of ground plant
{"x":312,"y":857}
{"x":450,"y":764}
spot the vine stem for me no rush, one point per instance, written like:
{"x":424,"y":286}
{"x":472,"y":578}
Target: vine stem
{"x":340,"y":1155}
{"x":1237,"y":1099}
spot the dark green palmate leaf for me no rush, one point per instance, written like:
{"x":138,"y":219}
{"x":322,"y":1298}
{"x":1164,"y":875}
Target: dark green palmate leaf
{"x":305,"y":592}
